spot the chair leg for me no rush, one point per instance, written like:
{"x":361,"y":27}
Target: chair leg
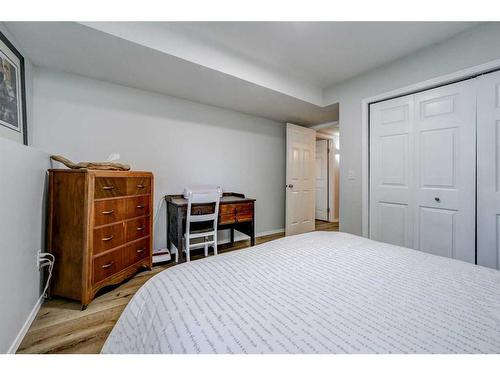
{"x":206,"y":247}
{"x":215,"y":245}
{"x":187,"y":249}
{"x":176,"y":255}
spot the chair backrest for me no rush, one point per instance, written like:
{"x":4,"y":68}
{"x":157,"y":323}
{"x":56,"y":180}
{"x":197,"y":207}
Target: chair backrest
{"x":207,"y":198}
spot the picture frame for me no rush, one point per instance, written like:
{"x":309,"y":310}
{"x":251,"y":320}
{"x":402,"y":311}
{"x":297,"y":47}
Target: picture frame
{"x":13,"y":118}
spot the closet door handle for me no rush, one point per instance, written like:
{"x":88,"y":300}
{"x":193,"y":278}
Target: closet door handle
{"x":108,"y":212}
{"x":108,"y":187}
{"x":108,"y":238}
{"x":140,"y":250}
{"x":140,"y":228}
{"x":140,"y":186}
{"x":140,"y":206}
{"x":107,"y":265}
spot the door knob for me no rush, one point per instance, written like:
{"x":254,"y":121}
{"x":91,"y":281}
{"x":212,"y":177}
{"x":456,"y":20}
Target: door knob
{"x":289,"y":186}
{"x":437,"y":199}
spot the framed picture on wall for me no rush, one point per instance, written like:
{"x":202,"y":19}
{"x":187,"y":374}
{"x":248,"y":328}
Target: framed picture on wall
{"x":12,"y":93}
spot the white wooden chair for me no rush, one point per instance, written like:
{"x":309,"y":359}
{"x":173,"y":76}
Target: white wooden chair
{"x":209,"y":233}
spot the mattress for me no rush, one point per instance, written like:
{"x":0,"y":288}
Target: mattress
{"x":320,"y":292}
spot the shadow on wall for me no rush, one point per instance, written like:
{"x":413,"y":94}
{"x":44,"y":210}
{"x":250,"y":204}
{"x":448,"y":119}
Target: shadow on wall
{"x":43,"y":218}
{"x":110,"y":96}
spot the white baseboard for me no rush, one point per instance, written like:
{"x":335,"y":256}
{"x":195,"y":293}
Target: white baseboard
{"x":240,"y":237}
{"x":27,"y":324}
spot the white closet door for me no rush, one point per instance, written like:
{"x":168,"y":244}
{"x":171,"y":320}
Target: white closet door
{"x":422,"y":171}
{"x":391,"y":182}
{"x":445,"y":153}
{"x":322,"y":179}
{"x":488,"y":173}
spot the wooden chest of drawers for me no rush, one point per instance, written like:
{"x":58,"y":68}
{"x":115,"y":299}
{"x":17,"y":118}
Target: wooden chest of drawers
{"x":99,"y":229}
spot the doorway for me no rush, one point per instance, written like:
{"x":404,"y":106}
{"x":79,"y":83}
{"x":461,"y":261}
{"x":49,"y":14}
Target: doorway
{"x":327,"y":176}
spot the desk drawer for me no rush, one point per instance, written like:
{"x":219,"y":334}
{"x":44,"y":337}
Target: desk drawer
{"x":233,"y":213}
{"x":138,"y":206}
{"x":227,"y":219}
{"x":108,"y":187}
{"x":109,"y":211}
{"x":138,"y":185}
{"x":107,"y":265}
{"x":137,"y":228}
{"x":108,"y":237}
{"x":244,"y":212}
{"x":227,"y":209}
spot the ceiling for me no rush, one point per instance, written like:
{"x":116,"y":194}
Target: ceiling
{"x":321,"y":53}
{"x":276,"y":70}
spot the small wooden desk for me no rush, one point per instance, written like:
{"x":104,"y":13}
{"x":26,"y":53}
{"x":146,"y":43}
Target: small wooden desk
{"x":235,"y":213}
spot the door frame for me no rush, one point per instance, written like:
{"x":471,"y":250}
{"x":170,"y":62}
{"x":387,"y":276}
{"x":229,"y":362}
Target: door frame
{"x":442,"y":80}
{"x":333,"y":179}
{"x":328,"y":186}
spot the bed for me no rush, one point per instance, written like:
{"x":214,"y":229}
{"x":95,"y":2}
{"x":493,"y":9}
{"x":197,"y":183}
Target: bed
{"x":320,"y":292}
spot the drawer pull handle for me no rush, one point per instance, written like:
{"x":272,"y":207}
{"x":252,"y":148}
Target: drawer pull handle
{"x":140,"y":228}
{"x":140,"y":186}
{"x":140,"y":250}
{"x":140,"y":206}
{"x":108,"y":238}
{"x":108,"y":187}
{"x":108,"y":212}
{"x":107,"y":265}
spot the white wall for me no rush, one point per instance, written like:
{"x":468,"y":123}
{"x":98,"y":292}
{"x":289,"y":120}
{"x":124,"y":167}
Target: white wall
{"x":22,"y":223}
{"x":22,"y":219}
{"x":181,"y":142}
{"x":470,"y":48}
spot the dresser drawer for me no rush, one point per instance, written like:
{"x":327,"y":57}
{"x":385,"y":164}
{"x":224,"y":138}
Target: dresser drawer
{"x":137,"y":206}
{"x":137,"y":228}
{"x":138,"y":185}
{"x":107,"y":265}
{"x":108,"y":187}
{"x":108,"y":237}
{"x":136,"y":252}
{"x":109,"y":211}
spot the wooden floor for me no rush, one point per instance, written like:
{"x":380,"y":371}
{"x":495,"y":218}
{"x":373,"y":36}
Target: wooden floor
{"x":61,"y":327}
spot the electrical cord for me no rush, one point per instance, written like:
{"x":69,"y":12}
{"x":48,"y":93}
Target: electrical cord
{"x":160,"y":203}
{"x":46,"y":259}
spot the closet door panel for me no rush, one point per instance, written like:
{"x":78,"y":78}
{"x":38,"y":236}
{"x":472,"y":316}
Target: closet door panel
{"x":444,"y":165}
{"x":391,"y":178}
{"x":488,"y":173}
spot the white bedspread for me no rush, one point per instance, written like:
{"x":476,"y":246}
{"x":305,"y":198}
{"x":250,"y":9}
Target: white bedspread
{"x":320,"y":292}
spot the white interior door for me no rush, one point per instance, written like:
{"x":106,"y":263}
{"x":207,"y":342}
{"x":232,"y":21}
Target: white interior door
{"x":300,"y":181}
{"x":391,"y":178}
{"x":422,"y":171}
{"x":445,"y":171}
{"x":322,"y":179}
{"x":488,"y":172}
